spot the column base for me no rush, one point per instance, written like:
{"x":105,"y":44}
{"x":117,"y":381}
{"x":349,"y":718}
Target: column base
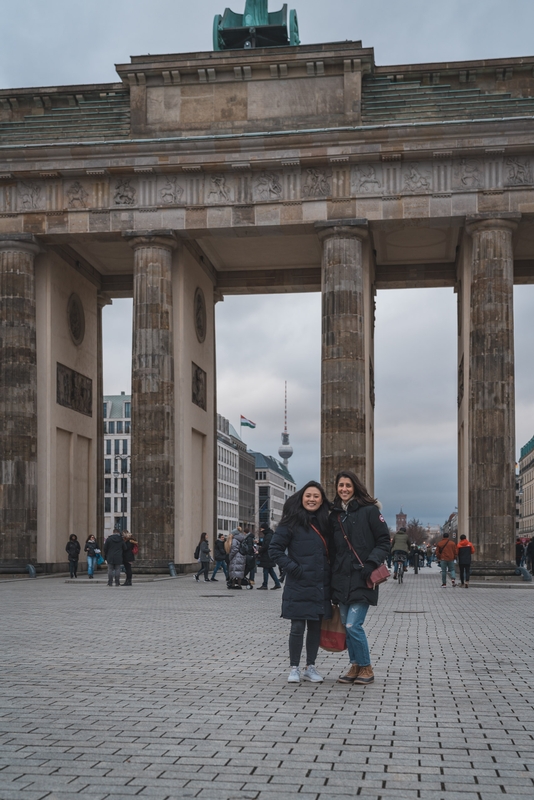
{"x":494,"y":569}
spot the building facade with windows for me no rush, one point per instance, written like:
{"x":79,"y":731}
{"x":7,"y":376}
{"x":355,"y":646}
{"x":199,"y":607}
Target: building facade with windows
{"x":117,"y":462}
{"x":525,"y":491}
{"x":274,"y":484}
{"x":227,"y":478}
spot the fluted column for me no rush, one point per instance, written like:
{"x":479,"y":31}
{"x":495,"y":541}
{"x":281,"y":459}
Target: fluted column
{"x":18,"y":400}
{"x":153,"y":399}
{"x":491,"y":391}
{"x":343,"y":406}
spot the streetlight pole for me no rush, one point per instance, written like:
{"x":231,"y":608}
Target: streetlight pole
{"x":123,"y":475}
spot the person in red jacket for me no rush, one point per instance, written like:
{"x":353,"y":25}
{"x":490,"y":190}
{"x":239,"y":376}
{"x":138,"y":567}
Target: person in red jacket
{"x":446,"y":552}
{"x":465,"y":551}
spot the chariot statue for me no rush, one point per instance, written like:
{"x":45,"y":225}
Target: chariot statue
{"x":256,"y":27}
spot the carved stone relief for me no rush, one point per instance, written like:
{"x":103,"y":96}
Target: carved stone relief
{"x":220,"y":191}
{"x":416,"y":179}
{"x":269,"y":186}
{"x":31,"y":195}
{"x":172,"y":192}
{"x":74,"y":391}
{"x":199,"y":387}
{"x":366,"y":179}
{"x":77,"y":196}
{"x":76,"y":319}
{"x":468,"y":175}
{"x":200,"y":315}
{"x":317,"y":183}
{"x":125,"y":193}
{"x":519,"y":171}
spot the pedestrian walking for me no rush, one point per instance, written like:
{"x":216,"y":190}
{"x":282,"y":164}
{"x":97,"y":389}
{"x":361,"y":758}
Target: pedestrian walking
{"x":264,"y":559}
{"x":73,"y":549}
{"x":446,"y":552}
{"x":130,"y":551}
{"x":203,"y":553}
{"x":465,"y":551}
{"x":221,"y":558}
{"x":429,"y":555}
{"x":93,"y":551}
{"x":114,"y":548}
{"x":249,"y":548}
{"x":530,"y":555}
{"x":300,"y":547}
{"x":237,"y":559}
{"x":358,"y":534}
{"x":519,"y":552}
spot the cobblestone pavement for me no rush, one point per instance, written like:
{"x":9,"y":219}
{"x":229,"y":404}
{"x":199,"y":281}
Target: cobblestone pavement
{"x":176,"y":689}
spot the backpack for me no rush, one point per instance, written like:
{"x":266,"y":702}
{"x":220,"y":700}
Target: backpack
{"x":246,"y":548}
{"x":197,"y":551}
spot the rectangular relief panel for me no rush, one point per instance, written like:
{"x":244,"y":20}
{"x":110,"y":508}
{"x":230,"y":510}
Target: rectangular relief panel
{"x":74,"y":391}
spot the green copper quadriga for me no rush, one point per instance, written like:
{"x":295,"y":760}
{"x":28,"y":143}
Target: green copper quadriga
{"x":255,"y":28}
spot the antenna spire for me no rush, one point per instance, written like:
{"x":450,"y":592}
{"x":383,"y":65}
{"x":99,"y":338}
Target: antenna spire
{"x":285,"y":451}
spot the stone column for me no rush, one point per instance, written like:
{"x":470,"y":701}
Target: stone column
{"x":18,"y":401}
{"x":153,"y":399}
{"x":343,"y":390}
{"x":491,"y":416}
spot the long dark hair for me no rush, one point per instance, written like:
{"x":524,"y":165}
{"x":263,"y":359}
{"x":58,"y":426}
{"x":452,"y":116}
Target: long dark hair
{"x":294,"y":514}
{"x":361,"y":495}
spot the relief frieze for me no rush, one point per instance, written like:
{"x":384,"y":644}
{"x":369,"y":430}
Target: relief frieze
{"x":74,"y":390}
{"x":285,"y":185}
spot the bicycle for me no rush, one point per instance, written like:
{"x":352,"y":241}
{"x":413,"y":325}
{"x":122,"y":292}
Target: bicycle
{"x":400,"y":561}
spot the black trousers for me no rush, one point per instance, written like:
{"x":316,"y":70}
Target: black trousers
{"x":296,"y":640}
{"x":205,"y":568}
{"x":128,"y":570}
{"x":465,"y":572}
{"x":73,"y":567}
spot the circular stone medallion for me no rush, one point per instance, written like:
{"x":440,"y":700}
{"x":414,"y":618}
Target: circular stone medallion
{"x":76,"y":319}
{"x":200,"y":315}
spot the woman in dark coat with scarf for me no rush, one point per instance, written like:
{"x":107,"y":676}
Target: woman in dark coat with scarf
{"x":358,"y":531}
{"x":299,"y":547}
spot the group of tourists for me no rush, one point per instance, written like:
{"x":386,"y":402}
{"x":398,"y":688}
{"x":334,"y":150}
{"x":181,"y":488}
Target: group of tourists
{"x":239,"y":556}
{"x":120,"y":550}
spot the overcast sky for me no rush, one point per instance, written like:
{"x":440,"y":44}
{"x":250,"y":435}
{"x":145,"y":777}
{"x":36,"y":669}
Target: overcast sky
{"x":263,"y":341}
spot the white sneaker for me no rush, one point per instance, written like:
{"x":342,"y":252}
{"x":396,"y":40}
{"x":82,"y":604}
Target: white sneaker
{"x":311,"y":674}
{"x":294,"y":675}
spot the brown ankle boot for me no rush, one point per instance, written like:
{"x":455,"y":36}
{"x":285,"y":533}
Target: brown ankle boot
{"x":351,"y":675}
{"x":365,"y":676}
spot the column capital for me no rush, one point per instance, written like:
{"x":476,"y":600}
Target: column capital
{"x":20,"y":243}
{"x":342,"y":228}
{"x":155,"y":238}
{"x":103,"y":299}
{"x":505,"y":220}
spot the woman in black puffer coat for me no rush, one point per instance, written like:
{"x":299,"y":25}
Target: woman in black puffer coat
{"x":299,"y":547}
{"x":356,"y":527}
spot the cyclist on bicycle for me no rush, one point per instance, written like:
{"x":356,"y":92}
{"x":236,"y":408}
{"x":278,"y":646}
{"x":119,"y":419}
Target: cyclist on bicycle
{"x":400,"y":544}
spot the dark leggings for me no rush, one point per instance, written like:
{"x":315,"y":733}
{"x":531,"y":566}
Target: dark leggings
{"x":73,"y":567}
{"x":204,"y":568}
{"x":465,"y":571}
{"x":296,"y":640}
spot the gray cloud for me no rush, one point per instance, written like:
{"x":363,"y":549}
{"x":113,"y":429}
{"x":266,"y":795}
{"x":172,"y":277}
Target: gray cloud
{"x":264,"y":340}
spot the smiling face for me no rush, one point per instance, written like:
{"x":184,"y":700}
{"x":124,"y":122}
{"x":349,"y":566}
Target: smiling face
{"x":345,"y":489}
{"x":312,"y":499}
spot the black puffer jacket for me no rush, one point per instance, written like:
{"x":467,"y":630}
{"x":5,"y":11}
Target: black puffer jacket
{"x":73,"y":549}
{"x":114,"y":548}
{"x":368,"y":533}
{"x":307,"y":585}
{"x":264,"y":560}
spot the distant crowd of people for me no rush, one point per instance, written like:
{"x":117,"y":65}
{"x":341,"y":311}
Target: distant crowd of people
{"x":120,"y":550}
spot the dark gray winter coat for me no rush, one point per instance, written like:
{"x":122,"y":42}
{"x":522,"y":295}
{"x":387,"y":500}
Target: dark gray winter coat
{"x":368,"y":533}
{"x":237,"y":562}
{"x":114,"y":548}
{"x":307,"y":584}
{"x":264,"y":559}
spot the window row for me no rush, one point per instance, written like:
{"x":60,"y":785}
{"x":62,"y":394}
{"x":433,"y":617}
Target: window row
{"x":120,"y":445}
{"x":127,"y":409}
{"x":227,"y":456}
{"x":120,"y":486}
{"x":120,"y":465}
{"x":227,"y":492}
{"x":120,"y":505}
{"x":117,"y":427}
{"x":228,"y":474}
{"x":226,"y":509}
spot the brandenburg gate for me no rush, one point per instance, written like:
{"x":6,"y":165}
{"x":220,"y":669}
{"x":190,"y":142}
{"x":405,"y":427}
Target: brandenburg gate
{"x":271,"y":167}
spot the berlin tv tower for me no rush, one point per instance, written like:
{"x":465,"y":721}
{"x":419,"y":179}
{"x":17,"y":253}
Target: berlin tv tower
{"x":285,"y":451}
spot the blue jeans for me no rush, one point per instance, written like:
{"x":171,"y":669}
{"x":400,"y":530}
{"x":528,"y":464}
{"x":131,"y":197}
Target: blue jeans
{"x":353,"y":617}
{"x":220,"y":564}
{"x":447,"y":565}
{"x":92,"y":562}
{"x":270,"y":571}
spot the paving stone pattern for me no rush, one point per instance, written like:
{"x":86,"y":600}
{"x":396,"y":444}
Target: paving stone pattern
{"x":174,"y":689}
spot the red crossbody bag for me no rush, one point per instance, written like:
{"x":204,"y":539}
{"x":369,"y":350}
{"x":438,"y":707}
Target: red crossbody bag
{"x":378,"y":575}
